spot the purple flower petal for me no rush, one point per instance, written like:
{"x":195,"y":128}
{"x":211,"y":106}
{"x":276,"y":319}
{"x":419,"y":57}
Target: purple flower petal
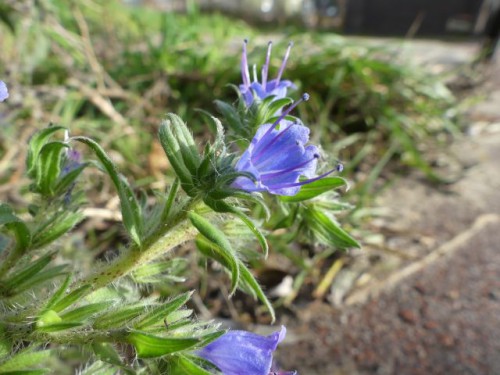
{"x":4,"y":93}
{"x":241,"y":352}
{"x":277,"y":158}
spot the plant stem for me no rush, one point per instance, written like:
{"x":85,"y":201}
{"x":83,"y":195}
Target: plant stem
{"x":133,"y":257}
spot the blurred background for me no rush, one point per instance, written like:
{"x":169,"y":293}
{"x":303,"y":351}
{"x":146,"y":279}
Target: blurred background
{"x":405,"y":94}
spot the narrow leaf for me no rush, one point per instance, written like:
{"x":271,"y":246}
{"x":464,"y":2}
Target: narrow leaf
{"x":221,"y":206}
{"x":315,"y":188}
{"x":16,"y":225}
{"x":252,"y":283}
{"x":28,"y":272}
{"x":131,"y":211}
{"x":327,"y":230}
{"x":82,"y":313}
{"x":150,"y":346}
{"x":216,"y":236}
{"x":71,"y":298}
{"x":159,"y":313}
{"x":182,"y":365}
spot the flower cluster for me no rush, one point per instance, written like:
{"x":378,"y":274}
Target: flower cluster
{"x":275,"y":87}
{"x":278,"y":156}
{"x":4,"y":93}
{"x":241,"y":352}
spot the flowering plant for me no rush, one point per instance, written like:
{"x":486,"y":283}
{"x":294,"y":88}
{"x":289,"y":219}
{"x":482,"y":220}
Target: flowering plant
{"x":49,"y":306}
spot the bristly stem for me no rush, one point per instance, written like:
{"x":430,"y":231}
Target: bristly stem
{"x":166,"y":237}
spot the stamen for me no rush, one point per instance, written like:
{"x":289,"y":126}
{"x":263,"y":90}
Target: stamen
{"x":270,"y":174}
{"x":254,"y":68}
{"x":245,"y":74}
{"x":340,"y":167}
{"x":283,"y":64}
{"x":265,"y":67}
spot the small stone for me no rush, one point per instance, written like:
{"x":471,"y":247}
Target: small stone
{"x":431,"y":325}
{"x":407,"y":316}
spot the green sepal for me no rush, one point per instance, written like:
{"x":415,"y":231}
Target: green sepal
{"x":174,"y":152}
{"x":16,"y":225}
{"x":130,"y":208}
{"x":151,"y":346}
{"x":314,"y":189}
{"x":327,"y":230}
{"x":48,"y":317}
{"x":268,"y":108}
{"x":216,"y":236}
{"x":232,"y":118}
{"x":48,"y":167}
{"x":36,"y":143}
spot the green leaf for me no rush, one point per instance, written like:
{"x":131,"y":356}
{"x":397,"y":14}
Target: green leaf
{"x":150,"y":346}
{"x":155,"y":271}
{"x":48,"y":167}
{"x":24,"y":359}
{"x":327,"y":230}
{"x":25,"y":274}
{"x":183,"y":365}
{"x":56,"y":327}
{"x":131,"y":210}
{"x":35,"y":145}
{"x":221,"y":206}
{"x":71,"y":298}
{"x":40,"y":278}
{"x":16,"y":225}
{"x":82,"y":313}
{"x":62,"y":224}
{"x":251,"y":282}
{"x":58,"y":293}
{"x":107,"y":353}
{"x":315,"y":188}
{"x":158,"y":313}
{"x":118,"y":317}
{"x":216,"y":236}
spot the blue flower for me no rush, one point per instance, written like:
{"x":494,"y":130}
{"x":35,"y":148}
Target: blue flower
{"x":73,"y":161}
{"x":241,"y":352}
{"x":4,"y":93}
{"x":278,"y":156}
{"x":275,"y":87}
